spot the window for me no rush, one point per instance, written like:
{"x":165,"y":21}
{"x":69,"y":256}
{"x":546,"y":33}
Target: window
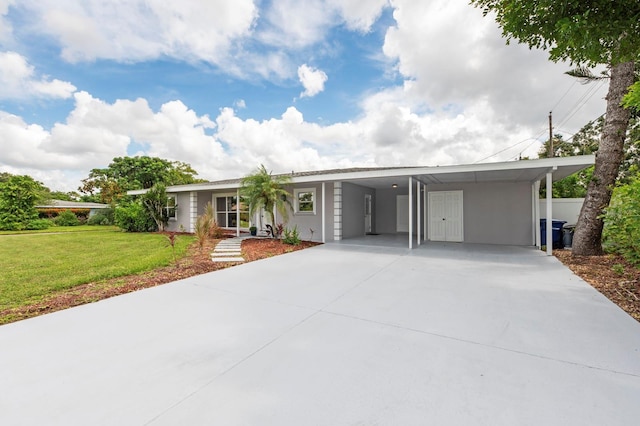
{"x":227,"y":212}
{"x":305,"y":200}
{"x":172,"y":207}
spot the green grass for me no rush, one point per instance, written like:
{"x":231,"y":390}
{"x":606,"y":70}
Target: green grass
{"x":34,"y":266}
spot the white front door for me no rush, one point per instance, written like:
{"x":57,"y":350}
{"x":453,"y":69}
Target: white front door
{"x":402,"y":213}
{"x":446,"y":216}
{"x":367,"y":213}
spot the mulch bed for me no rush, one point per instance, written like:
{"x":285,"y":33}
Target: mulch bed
{"x":611,"y":275}
{"x":196,"y":262}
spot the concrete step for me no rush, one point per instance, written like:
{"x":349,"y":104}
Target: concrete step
{"x":227,"y":259}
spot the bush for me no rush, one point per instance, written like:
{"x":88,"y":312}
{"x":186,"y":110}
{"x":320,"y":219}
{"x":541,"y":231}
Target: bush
{"x":11,"y":226}
{"x":39,"y":224}
{"x":134,"y":218}
{"x":66,"y":218}
{"x":202,"y":228}
{"x":291,"y":236}
{"x":102,"y":217}
{"x":622,"y":222}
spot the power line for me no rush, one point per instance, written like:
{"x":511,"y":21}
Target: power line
{"x":582,"y":101}
{"x":565,"y":94}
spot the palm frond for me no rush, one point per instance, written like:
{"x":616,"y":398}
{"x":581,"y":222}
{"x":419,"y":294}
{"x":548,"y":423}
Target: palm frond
{"x":585,"y":75}
{"x":262,"y":190}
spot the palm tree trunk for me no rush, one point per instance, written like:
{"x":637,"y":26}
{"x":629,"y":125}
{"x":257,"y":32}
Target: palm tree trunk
{"x":587,"y":240}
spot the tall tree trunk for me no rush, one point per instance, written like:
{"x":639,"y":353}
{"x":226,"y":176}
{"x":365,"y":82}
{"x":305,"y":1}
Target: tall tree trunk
{"x":587,"y":240}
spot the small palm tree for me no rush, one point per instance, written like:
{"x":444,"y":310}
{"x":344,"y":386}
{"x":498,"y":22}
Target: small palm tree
{"x":263,"y":190}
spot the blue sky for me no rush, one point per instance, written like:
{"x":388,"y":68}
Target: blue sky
{"x":228,"y":85}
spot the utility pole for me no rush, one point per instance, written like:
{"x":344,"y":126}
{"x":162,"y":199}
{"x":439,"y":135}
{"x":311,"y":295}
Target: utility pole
{"x":550,"y":152}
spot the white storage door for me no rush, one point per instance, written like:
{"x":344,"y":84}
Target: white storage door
{"x":446,"y":216}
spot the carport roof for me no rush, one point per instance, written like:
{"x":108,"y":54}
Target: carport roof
{"x":384,"y":177}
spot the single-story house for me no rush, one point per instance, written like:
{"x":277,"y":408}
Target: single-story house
{"x":490,"y":203}
{"x":59,"y":205}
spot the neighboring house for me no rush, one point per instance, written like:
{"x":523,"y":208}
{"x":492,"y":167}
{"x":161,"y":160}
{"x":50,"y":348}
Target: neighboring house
{"x":59,"y":205}
{"x":491,"y":203}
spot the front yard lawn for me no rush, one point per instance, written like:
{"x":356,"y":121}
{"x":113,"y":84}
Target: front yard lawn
{"x":36,"y":265}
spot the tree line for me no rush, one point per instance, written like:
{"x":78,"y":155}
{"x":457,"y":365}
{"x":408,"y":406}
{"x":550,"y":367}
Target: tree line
{"x":20,"y":194}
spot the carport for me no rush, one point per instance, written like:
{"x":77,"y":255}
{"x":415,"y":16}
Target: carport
{"x":477,"y":203}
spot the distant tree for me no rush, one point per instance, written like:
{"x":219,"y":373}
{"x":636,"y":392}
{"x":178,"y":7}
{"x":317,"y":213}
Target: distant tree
{"x":586,"y":142}
{"x":587,"y":33}
{"x":262,"y":190}
{"x":64,"y":196}
{"x":128,"y":173}
{"x":18,"y":198}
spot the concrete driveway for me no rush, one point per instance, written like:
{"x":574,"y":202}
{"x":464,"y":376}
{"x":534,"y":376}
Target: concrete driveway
{"x":446,"y":334}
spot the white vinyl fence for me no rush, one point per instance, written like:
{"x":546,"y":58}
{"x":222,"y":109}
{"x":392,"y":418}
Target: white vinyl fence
{"x":567,"y":209}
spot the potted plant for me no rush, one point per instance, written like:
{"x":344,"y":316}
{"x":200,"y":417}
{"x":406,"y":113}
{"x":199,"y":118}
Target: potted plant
{"x":253,"y":230}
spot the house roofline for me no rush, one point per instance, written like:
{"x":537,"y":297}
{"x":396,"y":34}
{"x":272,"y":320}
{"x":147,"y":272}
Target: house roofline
{"x":386,"y":172}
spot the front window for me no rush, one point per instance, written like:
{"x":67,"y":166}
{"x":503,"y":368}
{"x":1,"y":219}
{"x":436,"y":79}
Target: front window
{"x":305,"y":200}
{"x":172,"y":207}
{"x":228,"y":209}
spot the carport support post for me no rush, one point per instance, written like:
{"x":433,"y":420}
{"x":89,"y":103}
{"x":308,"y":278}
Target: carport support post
{"x":410,"y":212}
{"x":324,"y":221}
{"x":549,"y":214}
{"x":535,"y":196}
{"x":424,"y":215}
{"x":418,"y":211}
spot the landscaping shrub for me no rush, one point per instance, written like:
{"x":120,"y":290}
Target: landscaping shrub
{"x":216,"y":231}
{"x":291,"y":236}
{"x":102,"y":217}
{"x":202,"y":229}
{"x":66,"y":218}
{"x":134,"y":218}
{"x":6,"y":225}
{"x":38,"y":224}
{"x":622,"y":222}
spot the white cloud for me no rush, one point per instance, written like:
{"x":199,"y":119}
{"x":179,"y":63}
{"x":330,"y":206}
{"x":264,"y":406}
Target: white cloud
{"x":298,"y":24}
{"x":237,"y":37}
{"x":137,"y":30}
{"x":359,"y":14}
{"x":18,"y":80}
{"x":454,"y":58}
{"x":96,"y":131}
{"x":312,"y":80}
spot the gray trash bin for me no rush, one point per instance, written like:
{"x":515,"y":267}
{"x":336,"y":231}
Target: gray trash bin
{"x":567,"y":235}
